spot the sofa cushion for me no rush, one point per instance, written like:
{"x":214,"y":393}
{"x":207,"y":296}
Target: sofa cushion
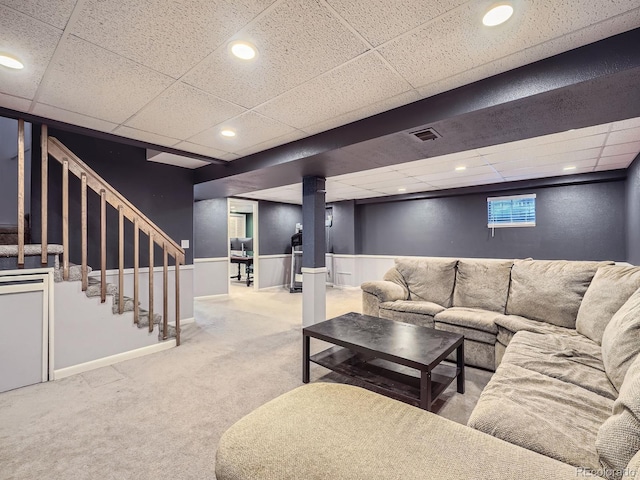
{"x":482,"y":284}
{"x":413,"y":306}
{"x":322,"y":431}
{"x":508,"y":325}
{"x":429,"y":279}
{"x":621,"y":340}
{"x":619,"y":436}
{"x":542,"y":414}
{"x":549,"y":290}
{"x":417,"y":313}
{"x":611,"y":286}
{"x":475,"y":318}
{"x":573,"y":359}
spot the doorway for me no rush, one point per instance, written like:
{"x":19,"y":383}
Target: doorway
{"x":243,"y":244}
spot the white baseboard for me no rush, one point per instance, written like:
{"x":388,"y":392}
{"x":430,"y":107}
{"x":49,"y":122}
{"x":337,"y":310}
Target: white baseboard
{"x":274,"y":287}
{"x":211,"y":297}
{"x":184,"y":321}
{"x":119,"y":357}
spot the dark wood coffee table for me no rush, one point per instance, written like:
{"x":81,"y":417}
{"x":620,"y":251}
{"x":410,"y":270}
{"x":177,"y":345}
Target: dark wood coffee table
{"x":396,"y":359}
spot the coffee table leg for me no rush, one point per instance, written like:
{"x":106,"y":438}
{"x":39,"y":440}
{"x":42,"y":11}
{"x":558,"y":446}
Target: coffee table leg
{"x":425,"y":391}
{"x":306,"y":340}
{"x":460,"y":362}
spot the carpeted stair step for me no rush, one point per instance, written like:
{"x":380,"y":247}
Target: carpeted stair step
{"x":93,"y":290}
{"x":75,"y":273}
{"x":143,"y":318}
{"x":128,"y":304}
{"x":171,"y":330}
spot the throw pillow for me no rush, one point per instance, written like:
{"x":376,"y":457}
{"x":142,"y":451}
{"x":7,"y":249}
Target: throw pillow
{"x":609,"y":289}
{"x":621,"y":340}
{"x":618,"y":438}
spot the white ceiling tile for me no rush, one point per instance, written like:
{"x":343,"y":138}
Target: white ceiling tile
{"x":14,"y":103}
{"x":177,"y":160}
{"x":352,"y":86}
{"x":610,"y":166}
{"x":369,"y":177}
{"x":289,"y":137}
{"x":624,"y":136}
{"x":33,"y":43}
{"x":621,"y":149}
{"x":372,"y":171}
{"x":413,"y":188}
{"x":73,"y":118}
{"x":251,"y":129}
{"x":543,"y":174}
{"x":55,"y":13}
{"x":148,"y":137}
{"x":364,"y":112}
{"x":229,"y":156}
{"x":397,"y":182}
{"x":544,"y":170}
{"x":453,"y":174}
{"x":201,"y":150}
{"x":466,"y":180}
{"x":626,"y":124}
{"x":625,"y":160}
{"x":169,"y":37}
{"x":90,"y":80}
{"x":562,"y":159}
{"x":182,"y":111}
{"x":381,"y":20}
{"x":556,"y":148}
{"x":296,"y":41}
{"x":447,"y":166}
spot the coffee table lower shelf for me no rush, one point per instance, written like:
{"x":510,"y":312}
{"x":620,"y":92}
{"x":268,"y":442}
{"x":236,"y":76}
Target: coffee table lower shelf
{"x":385,"y":377}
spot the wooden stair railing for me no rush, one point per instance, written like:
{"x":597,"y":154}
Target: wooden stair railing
{"x":126,"y":210}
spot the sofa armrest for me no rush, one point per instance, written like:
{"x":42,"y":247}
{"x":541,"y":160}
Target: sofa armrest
{"x":385,"y":291}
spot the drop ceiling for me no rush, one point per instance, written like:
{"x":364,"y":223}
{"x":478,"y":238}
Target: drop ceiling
{"x":599,"y":148}
{"x":160,"y":72}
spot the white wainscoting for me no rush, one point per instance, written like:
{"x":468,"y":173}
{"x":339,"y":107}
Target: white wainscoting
{"x":353,"y":270}
{"x":186,"y":288}
{"x":274,"y":270}
{"x":210,"y":276}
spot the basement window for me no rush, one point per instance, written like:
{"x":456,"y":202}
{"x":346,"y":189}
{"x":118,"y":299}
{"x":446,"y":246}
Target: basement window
{"x":513,"y":211}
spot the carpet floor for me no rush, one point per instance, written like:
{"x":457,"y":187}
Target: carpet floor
{"x":161,"y":416}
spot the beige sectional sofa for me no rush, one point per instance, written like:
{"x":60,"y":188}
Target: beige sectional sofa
{"x":564,"y":401}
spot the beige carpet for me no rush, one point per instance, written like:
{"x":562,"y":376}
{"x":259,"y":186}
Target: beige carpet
{"x":161,"y":416}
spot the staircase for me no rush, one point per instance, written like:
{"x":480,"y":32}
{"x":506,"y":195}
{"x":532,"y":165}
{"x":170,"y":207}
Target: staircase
{"x":25,"y":255}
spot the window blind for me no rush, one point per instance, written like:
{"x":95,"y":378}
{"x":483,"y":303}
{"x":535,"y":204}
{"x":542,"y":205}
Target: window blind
{"x":513,"y":211}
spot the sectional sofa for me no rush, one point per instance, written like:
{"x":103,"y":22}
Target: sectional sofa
{"x":564,"y":401}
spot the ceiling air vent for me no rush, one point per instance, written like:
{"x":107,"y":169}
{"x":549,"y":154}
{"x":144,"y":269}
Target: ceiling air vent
{"x":426,"y":134}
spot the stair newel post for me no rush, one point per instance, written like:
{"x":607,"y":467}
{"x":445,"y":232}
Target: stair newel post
{"x":83,"y":214}
{"x":177,"y":300}
{"x":136,"y":268}
{"x":151,"y":246}
{"x":20,"y":193}
{"x":165,"y":292}
{"x":103,"y":246}
{"x":120,"y":259}
{"x":44,"y":195}
{"x":65,"y":219}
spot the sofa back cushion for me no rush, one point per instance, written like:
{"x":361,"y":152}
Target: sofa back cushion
{"x":621,"y":340}
{"x":618,"y":439}
{"x":550,"y":290}
{"x":610,"y":288}
{"x":482,"y":284}
{"x":429,"y":279}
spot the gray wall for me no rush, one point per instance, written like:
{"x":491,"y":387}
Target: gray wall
{"x":276,"y":224}
{"x":575,"y":222}
{"x":164,"y":193}
{"x":343,"y":230}
{"x":9,"y":170}
{"x":210,"y":224}
{"x":633,"y":212}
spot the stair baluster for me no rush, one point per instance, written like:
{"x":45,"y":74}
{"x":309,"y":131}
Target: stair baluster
{"x":165,"y":290}
{"x":103,"y":246}
{"x":44,"y":184}
{"x":20,"y":193}
{"x":65,"y":219}
{"x":120,"y":260}
{"x":83,"y":214}
{"x":151,"y":247}
{"x":136,"y":271}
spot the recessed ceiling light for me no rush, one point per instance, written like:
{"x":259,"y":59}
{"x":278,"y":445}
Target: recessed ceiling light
{"x":228,"y":133}
{"x":497,"y":15}
{"x":243,"y":50}
{"x":402,"y":189}
{"x":460,"y":169}
{"x":572,"y":167}
{"x":10,"y":62}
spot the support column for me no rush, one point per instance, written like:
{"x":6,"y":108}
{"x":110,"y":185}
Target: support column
{"x":314,"y":271}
